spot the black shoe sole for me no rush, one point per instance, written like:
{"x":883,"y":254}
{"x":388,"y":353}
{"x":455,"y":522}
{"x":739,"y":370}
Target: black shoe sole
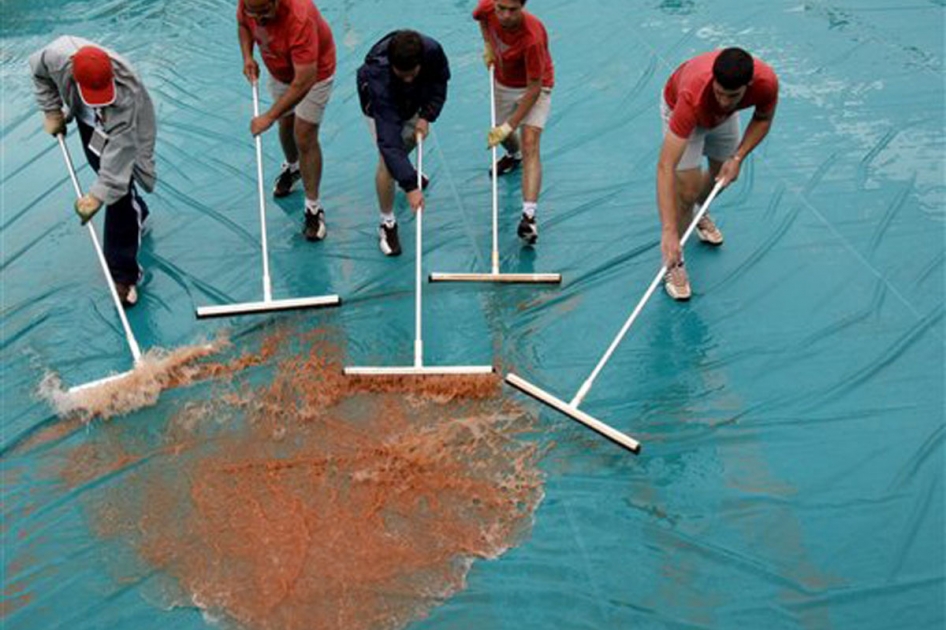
{"x":279,"y":193}
{"x":507,"y":171}
{"x":502,"y":173}
{"x":313,"y":237}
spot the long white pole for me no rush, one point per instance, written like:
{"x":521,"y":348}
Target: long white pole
{"x":418,"y":271}
{"x":492,"y":111}
{"x":586,"y":386}
{"x":129,"y":336}
{"x":267,"y":285}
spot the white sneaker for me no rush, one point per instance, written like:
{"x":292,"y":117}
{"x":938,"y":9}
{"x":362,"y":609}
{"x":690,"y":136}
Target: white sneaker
{"x":707,"y":231}
{"x":677,"y":283}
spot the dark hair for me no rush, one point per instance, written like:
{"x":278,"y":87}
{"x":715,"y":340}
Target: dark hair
{"x":406,"y":50}
{"x":733,"y":68}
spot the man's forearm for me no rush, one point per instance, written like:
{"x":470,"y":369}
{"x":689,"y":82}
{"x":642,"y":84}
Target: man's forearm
{"x":431,"y":110}
{"x":666,"y":197}
{"x":485,"y":32}
{"x":756,"y":132}
{"x":246,"y":41}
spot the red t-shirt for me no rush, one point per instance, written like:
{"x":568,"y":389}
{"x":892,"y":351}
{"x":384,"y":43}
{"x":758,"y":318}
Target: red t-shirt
{"x":299,"y":35}
{"x":522,"y":55}
{"x":689,"y":93}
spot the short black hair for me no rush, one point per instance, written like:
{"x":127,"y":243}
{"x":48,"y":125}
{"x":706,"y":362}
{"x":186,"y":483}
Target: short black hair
{"x":406,"y":50}
{"x":733,"y":68}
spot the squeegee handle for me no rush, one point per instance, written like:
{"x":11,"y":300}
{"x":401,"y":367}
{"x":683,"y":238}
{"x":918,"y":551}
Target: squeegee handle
{"x":495,"y":175}
{"x":267,"y":284}
{"x":129,"y":336}
{"x":586,"y":386}
{"x":418,"y":263}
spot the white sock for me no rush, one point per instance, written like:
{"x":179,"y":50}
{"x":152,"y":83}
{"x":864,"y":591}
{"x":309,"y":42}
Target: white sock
{"x":517,"y":155}
{"x":529,"y":208}
{"x":388,"y":219}
{"x":312,"y":206}
{"x":294,"y":166}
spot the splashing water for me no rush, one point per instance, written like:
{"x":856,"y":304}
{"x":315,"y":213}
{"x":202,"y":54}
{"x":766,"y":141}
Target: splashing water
{"x":318,"y":501}
{"x":140,"y":387}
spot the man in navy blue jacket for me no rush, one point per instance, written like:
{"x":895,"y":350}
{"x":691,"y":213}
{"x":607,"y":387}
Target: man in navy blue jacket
{"x":402,"y":87}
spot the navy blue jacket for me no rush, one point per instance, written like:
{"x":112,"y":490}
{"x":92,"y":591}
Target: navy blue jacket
{"x":391,"y":102}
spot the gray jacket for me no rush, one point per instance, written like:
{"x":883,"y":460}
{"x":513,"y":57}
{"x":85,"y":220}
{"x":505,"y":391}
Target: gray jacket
{"x":129,"y":121}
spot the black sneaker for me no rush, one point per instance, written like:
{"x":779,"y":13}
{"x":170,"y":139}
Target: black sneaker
{"x":314,"y":229}
{"x":388,"y":240}
{"x":127,"y":294}
{"x":286,"y":181}
{"x":506,"y":164}
{"x":528,"y":230}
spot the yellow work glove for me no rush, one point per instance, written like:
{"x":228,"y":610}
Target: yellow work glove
{"x":54,"y":123}
{"x":489,"y":57}
{"x":498,"y":134}
{"x":86,"y":207}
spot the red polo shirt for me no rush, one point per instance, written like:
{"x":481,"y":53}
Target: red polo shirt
{"x":689,"y":93}
{"x":298,"y":35}
{"x":522,"y":55}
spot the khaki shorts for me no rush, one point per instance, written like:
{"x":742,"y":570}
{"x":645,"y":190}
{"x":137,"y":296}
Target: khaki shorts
{"x":312,"y":107}
{"x":718,"y":143}
{"x":407,"y":131}
{"x":507,"y":100}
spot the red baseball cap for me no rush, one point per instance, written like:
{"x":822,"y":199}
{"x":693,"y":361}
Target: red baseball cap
{"x":92,"y":70}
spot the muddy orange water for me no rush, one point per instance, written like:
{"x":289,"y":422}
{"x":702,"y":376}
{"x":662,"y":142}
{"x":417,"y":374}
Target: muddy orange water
{"x":312,"y":500}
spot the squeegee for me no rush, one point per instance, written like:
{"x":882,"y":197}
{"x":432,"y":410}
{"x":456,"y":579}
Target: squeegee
{"x":419,"y":369}
{"x":495,"y":275}
{"x":268,"y":304}
{"x":571,"y":409}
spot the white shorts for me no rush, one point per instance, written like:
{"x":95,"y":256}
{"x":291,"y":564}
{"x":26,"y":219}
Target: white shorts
{"x":718,"y":143}
{"x":507,"y":100}
{"x":312,"y":106}
{"x":407,"y":131}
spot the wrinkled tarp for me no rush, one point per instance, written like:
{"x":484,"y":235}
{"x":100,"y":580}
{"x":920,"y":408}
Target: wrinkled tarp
{"x":791,"y":413}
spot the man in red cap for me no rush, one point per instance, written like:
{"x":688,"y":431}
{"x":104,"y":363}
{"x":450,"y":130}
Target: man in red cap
{"x":74,"y":78}
{"x":699,"y":107}
{"x":298,"y":49}
{"x":518,"y":45}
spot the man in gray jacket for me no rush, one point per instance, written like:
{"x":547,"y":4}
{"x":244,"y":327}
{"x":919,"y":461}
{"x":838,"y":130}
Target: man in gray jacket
{"x":77,"y":79}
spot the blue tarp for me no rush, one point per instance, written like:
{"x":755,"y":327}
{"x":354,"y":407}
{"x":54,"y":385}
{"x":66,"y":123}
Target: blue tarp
{"x":792,"y":413}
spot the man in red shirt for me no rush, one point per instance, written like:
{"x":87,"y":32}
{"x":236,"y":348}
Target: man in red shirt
{"x":518,"y":45}
{"x":298,"y":49}
{"x":699,"y":108}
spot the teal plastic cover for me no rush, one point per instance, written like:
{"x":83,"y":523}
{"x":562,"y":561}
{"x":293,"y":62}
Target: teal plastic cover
{"x":791,"y":414}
